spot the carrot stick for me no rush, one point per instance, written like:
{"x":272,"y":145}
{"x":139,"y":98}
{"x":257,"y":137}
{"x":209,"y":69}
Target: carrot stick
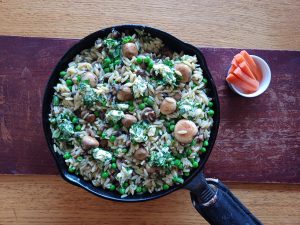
{"x":246,"y":79}
{"x":254,"y":68}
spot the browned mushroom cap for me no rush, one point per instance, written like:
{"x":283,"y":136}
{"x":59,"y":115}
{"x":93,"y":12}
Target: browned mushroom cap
{"x":141,"y":154}
{"x":185,"y":71}
{"x":185,"y":131}
{"x":129,"y":50}
{"x":92,"y":78}
{"x":168,"y":106}
{"x":89,"y":142}
{"x":88,"y":117}
{"x":124,"y":94}
{"x":103,"y":143}
{"x":128,"y":120}
{"x":148,"y":114}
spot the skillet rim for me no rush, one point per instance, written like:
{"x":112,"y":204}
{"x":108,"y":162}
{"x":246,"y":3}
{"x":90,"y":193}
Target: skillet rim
{"x":89,"y":41}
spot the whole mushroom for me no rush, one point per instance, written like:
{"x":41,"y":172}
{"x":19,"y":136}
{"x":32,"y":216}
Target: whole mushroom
{"x":89,"y":142}
{"x":185,"y":131}
{"x":185,"y":71}
{"x":168,"y":106}
{"x":141,"y":154}
{"x":128,"y":120}
{"x":124,"y":94}
{"x":88,"y":117}
{"x":92,"y":78}
{"x":129,"y":50}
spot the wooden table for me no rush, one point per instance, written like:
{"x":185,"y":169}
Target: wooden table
{"x":36,"y":199}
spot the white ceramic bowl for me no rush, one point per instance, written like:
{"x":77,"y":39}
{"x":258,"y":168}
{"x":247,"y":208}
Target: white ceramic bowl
{"x":264,"y":83}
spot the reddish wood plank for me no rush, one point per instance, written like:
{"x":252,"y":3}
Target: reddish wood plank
{"x":259,"y":139}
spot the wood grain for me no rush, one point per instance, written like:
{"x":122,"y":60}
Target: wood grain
{"x":242,"y":24}
{"x":48,"y":199}
{"x":259,"y":143}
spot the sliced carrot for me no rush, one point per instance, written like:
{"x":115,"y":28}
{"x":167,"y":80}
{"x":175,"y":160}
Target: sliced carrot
{"x":245,"y":78}
{"x":254,"y":68}
{"x":232,"y":68}
{"x":245,"y":68}
{"x":234,"y":62}
{"x":239,"y":58}
{"x":239,"y":84}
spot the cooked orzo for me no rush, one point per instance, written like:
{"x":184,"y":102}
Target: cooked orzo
{"x":131,"y":115}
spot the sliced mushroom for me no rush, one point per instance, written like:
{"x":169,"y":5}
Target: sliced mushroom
{"x":148,"y":114}
{"x":141,"y":154}
{"x":128,"y":120}
{"x":185,"y":131}
{"x":115,"y":34}
{"x":89,"y":142}
{"x":92,"y":78}
{"x":103,"y":143}
{"x":168,"y":106}
{"x":178,"y":96}
{"x":124,"y":94}
{"x":129,"y":50}
{"x":185,"y":71}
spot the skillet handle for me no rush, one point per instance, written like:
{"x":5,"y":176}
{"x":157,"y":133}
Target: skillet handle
{"x":218,"y":206}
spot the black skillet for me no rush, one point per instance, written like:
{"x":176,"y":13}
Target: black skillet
{"x":210,"y":197}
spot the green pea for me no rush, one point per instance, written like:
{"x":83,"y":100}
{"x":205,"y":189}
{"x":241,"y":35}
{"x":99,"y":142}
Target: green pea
{"x":177,"y":162}
{"x":79,"y":159}
{"x":78,"y":127}
{"x":145,"y":100}
{"x":71,"y":169}
{"x":114,"y":166}
{"x":106,"y":70}
{"x":211,"y":112}
{"x":204,"y":80}
{"x":210,"y":104}
{"x":112,"y":138}
{"x":178,"y":180}
{"x":112,"y":187}
{"x":139,"y":60}
{"x":203,"y":149}
{"x":131,"y":108}
{"x":166,"y":187}
{"x":67,"y":155}
{"x":150,"y":64}
{"x":172,"y":128}
{"x":69,"y":82}
{"x":186,"y":174}
{"x":117,"y":62}
{"x":113,"y":159}
{"x":107,"y":61}
{"x":125,"y":185}
{"x":122,"y":191}
{"x":189,"y":152}
{"x":63,"y":73}
{"x":130,"y":103}
{"x":78,"y":78}
{"x":142,"y":106}
{"x":105,"y":175}
{"x":193,"y":143}
{"x":75,"y":120}
{"x":181,"y":166}
{"x":195,"y":164}
{"x":150,"y":102}
{"x":205,"y":143}
{"x":103,"y":135}
{"x":55,"y":100}
{"x":138,"y":189}
{"x":147,"y":60}
{"x":192,"y":160}
{"x":117,"y":127}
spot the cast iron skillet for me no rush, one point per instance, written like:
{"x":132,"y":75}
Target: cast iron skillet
{"x":217,"y":205}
